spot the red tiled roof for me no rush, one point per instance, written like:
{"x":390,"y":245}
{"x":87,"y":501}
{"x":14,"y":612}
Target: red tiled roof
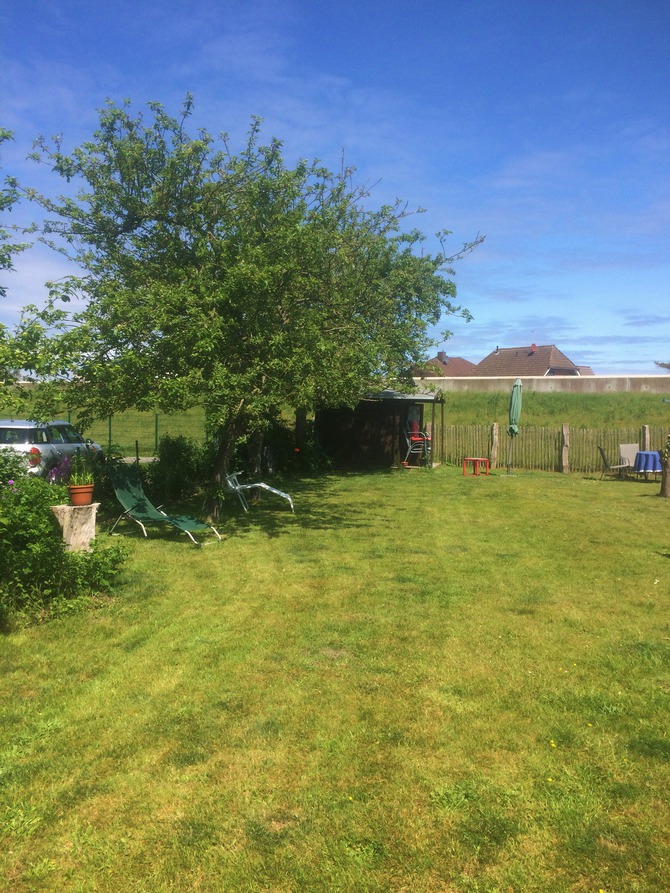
{"x":452,"y":367}
{"x":544,"y":359}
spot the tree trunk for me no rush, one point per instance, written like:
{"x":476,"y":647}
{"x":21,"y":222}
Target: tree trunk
{"x":221,"y":468}
{"x":300,"y":427}
{"x":225,"y":434}
{"x":78,"y":525}
{"x":665,"y":481}
{"x":223,"y":458}
{"x":665,"y":464}
{"x":256,"y":452}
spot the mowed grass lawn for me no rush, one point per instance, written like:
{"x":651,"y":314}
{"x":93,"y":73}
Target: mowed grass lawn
{"x":419,"y":682}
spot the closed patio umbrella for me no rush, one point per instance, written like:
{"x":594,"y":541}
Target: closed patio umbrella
{"x":514,"y":416}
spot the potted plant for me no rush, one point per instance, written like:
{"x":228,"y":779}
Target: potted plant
{"x":80,"y":482}
{"x":76,"y":473}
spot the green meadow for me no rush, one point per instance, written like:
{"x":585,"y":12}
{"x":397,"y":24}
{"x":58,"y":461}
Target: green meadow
{"x":418,"y":683}
{"x":558,"y":408}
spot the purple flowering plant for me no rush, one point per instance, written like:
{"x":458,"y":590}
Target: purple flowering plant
{"x":8,"y":487}
{"x":60,"y":473}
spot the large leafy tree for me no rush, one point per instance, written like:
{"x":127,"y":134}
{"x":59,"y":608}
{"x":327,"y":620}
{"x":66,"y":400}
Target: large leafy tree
{"x":9,"y":194}
{"x":231,"y":280}
{"x":9,"y":344}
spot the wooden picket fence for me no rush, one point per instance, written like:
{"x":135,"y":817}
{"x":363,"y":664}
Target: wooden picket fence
{"x":542,"y":449}
{"x":535,"y":448}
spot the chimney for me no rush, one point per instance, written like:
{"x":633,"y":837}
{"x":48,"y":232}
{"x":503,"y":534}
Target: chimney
{"x":533,"y":348}
{"x":442,"y":357}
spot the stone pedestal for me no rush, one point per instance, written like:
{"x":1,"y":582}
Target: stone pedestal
{"x":78,"y":525}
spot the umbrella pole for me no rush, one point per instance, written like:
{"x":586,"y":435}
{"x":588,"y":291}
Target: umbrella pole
{"x":514,"y":413}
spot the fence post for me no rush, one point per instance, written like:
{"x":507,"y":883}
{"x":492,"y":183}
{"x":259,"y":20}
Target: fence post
{"x":565,"y":451}
{"x":494,"y":445}
{"x":155,"y":434}
{"x":443,"y":452}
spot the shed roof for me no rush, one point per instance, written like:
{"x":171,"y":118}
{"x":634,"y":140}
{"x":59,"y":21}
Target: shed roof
{"x":397,"y":396}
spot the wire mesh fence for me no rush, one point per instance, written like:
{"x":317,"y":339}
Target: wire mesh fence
{"x":534,"y":448}
{"x":140,"y":432}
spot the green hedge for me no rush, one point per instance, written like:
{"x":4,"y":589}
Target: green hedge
{"x":37,"y":576}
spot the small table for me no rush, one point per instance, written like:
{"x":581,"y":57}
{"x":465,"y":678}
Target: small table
{"x":476,"y":461}
{"x":647,"y":462}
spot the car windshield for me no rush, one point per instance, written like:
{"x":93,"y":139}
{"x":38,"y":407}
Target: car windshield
{"x":56,"y":435}
{"x":71,"y":435}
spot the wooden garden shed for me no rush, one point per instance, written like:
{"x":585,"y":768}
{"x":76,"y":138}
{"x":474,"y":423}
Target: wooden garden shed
{"x":372,"y":434}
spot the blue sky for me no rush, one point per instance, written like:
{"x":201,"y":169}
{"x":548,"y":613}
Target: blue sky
{"x":543,"y":125}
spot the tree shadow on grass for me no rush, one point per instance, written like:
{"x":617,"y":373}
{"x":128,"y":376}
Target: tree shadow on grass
{"x":317,"y":507}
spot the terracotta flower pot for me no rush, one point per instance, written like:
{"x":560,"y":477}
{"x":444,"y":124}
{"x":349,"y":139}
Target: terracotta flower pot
{"x":80,"y":494}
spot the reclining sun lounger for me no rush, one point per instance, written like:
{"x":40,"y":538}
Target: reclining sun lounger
{"x":137,"y":507}
{"x":235,"y":487}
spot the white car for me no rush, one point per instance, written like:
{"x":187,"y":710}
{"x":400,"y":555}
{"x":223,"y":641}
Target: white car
{"x":44,"y":444}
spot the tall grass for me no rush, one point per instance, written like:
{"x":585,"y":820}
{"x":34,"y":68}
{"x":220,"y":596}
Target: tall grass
{"x":557,"y":408}
{"x":420,"y":682}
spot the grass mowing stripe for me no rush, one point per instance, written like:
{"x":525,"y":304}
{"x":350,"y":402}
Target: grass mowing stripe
{"x":418,"y":682}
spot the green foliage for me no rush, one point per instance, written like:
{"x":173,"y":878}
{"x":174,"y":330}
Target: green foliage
{"x":182,"y":467}
{"x":12,"y":465}
{"x":281,"y":449}
{"x":8,"y":197}
{"x":9,"y":363}
{"x":37,"y":575}
{"x":82,"y":468}
{"x":305,"y":454}
{"x":77,"y":469}
{"x":227,"y":280}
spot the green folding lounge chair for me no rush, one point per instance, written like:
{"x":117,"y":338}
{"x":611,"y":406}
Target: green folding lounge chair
{"x":136,"y":507}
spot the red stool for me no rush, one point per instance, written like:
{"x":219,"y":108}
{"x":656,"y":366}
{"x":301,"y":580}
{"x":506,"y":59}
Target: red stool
{"x":476,"y":462}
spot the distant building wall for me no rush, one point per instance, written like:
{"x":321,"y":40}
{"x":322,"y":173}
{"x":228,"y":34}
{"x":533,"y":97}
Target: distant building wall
{"x":573,"y":384}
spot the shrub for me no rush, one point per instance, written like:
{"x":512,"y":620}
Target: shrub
{"x":12,"y":465}
{"x":37,"y":575}
{"x":281,"y":451}
{"x":183,"y":465}
{"x":310,"y":456}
